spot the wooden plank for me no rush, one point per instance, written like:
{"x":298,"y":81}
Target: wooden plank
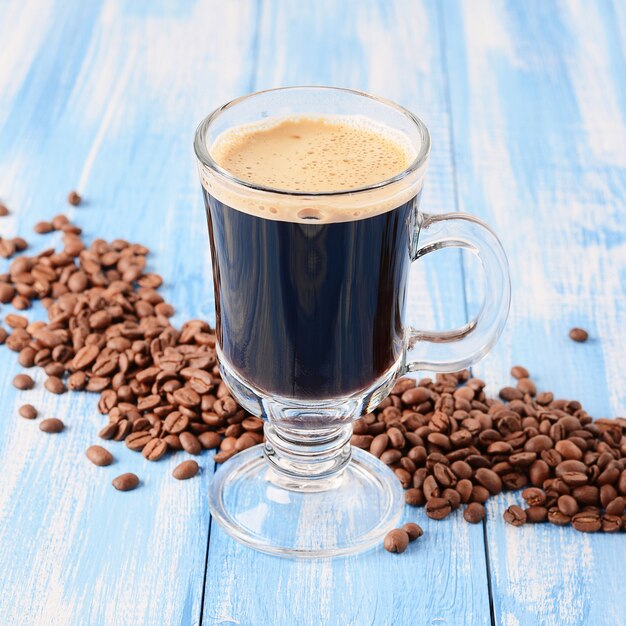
{"x":539,"y":110}
{"x":393,"y":49}
{"x":106,"y":96}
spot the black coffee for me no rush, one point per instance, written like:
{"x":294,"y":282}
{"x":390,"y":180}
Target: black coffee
{"x":310,"y":310}
{"x":310,"y":299}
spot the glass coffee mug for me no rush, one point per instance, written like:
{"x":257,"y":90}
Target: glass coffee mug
{"x":310,"y":297}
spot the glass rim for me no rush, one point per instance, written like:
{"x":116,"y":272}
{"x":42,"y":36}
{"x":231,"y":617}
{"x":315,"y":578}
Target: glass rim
{"x":203,"y":155}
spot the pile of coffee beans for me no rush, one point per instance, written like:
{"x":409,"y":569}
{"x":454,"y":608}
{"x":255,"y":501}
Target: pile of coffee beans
{"x":108,"y":331}
{"x":450,"y":445}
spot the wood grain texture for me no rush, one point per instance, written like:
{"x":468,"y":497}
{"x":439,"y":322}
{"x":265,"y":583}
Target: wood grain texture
{"x":539,"y":108}
{"x":526,"y":104}
{"x":105,"y":97}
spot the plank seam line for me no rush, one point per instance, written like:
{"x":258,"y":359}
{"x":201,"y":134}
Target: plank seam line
{"x":457,"y":206}
{"x":252,"y":82}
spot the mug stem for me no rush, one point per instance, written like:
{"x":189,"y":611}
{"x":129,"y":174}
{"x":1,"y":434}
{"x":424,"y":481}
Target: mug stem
{"x":309,"y":460}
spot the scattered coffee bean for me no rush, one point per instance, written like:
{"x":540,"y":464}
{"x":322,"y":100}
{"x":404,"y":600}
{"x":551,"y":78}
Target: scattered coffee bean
{"x":51,"y":425}
{"x":74,"y":198}
{"x":99,"y":456}
{"x":4,"y":210}
{"x":125,"y":482}
{"x":515,"y":515}
{"x":517,"y":371}
{"x":28,"y":411}
{"x":41,"y":228}
{"x":186,"y":469}
{"x":578,"y":334}
{"x":396,"y":540}
{"x":413,"y":530}
{"x":55,"y":385}
{"x":474,"y":513}
{"x":23,"y":382}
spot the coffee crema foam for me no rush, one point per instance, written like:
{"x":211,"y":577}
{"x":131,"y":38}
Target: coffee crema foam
{"x":329,"y":156}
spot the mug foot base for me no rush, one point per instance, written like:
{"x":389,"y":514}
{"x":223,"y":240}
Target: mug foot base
{"x":351,"y":515}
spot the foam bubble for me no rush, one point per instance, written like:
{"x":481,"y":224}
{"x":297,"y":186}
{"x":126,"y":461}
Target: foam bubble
{"x":313,"y":155}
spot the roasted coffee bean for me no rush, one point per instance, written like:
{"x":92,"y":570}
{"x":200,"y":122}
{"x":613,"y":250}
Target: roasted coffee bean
{"x":99,"y":456}
{"x":412,"y":530}
{"x":514,"y":515}
{"x":379,"y":444}
{"x":416,"y":395}
{"x":74,"y":198}
{"x":464,"y":488}
{"x":523,"y":459}
{"x":109,"y":431}
{"x":55,"y":385}
{"x":185,"y":470}
{"x":430,"y":487}
{"x":138,"y":440}
{"x":414,"y":497}
{"x":557,"y":517}
{"x":247,"y":440}
{"x":7,"y":292}
{"x":453,"y":497}
{"x":474,"y":513}
{"x":479,"y":494}
{"x":611,"y":523}
{"x":51,"y":425}
{"x":462,"y":469}
{"x":587,"y":495}
{"x":527,"y":386}
{"x":28,"y":411}
{"x":444,"y":475}
{"x":126,"y":482}
{"x":154,"y":449}
{"x":587,"y":522}
{"x":389,"y":457}
{"x":438,"y":508}
{"x":517,"y":371}
{"x":41,"y":228}
{"x":534,"y":496}
{"x":4,"y":211}
{"x":359,"y":441}
{"x":396,"y":540}
{"x":510,"y":393}
{"x":536,"y":514}
{"x":190,"y":443}
{"x":175,"y":423}
{"x":567,"y":505}
{"x":568,"y":450}
{"x":489,"y":479}
{"x":209,"y":440}
{"x":616,"y":506}
{"x":578,"y":334}
{"x":23,"y":382}
{"x":538,"y":443}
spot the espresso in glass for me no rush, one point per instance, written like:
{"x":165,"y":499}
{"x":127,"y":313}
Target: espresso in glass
{"x":309,"y":298}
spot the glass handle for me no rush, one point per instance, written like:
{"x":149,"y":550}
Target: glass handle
{"x":456,"y":349}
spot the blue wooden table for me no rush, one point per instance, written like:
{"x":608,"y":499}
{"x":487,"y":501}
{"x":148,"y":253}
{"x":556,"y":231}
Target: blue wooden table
{"x":526,"y":103}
